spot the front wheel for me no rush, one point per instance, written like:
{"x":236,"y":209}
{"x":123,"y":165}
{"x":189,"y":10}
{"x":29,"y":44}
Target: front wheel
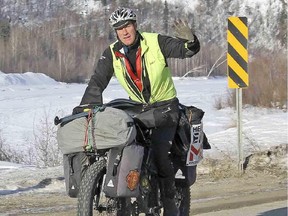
{"x":91,"y":199}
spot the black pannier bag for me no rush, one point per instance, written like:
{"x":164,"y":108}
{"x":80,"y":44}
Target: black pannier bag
{"x":123,"y":171}
{"x":75,"y":165}
{"x":188,"y":145}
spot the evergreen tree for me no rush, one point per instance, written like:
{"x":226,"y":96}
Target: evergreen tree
{"x":165,"y":17}
{"x":104,"y":2}
{"x":124,"y":3}
{"x":5,"y":29}
{"x":282,"y":33}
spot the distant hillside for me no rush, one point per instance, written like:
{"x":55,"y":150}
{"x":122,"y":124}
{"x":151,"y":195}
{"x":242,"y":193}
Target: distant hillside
{"x":267,"y":18}
{"x":63,"y":38}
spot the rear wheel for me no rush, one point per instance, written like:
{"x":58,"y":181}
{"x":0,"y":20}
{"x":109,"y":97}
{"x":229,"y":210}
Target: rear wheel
{"x":91,"y":199}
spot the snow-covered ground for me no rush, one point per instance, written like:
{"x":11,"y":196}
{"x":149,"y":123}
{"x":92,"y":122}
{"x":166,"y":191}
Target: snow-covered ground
{"x":27,"y":98}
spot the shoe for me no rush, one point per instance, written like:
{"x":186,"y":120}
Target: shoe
{"x":170,"y":208}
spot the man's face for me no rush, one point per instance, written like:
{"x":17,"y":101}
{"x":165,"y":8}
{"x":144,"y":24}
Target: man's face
{"x":127,"y":34}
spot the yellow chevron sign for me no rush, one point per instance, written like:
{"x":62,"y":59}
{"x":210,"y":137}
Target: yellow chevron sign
{"x":237,"y":55}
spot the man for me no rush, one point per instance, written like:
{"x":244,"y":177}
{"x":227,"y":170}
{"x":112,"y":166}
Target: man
{"x":138,"y":60}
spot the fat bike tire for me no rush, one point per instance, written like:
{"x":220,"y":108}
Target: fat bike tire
{"x":93,"y":175}
{"x":90,"y":190}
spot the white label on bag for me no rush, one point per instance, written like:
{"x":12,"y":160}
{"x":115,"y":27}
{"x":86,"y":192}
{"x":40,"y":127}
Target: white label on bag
{"x":195,"y":154}
{"x":110,"y":183}
{"x":179,"y":174}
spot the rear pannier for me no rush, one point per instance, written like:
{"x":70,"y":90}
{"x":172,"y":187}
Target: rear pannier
{"x":188,"y":145}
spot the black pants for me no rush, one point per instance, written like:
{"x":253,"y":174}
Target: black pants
{"x":161,"y":144}
{"x":162,"y":118}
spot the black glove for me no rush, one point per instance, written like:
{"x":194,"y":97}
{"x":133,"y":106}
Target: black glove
{"x":81,"y":108}
{"x":192,"y":47}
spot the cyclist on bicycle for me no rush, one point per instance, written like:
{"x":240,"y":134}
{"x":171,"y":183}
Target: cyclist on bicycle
{"x":139,"y":61}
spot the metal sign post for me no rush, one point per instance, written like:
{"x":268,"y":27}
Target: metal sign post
{"x":237,"y":68}
{"x":239,"y":128}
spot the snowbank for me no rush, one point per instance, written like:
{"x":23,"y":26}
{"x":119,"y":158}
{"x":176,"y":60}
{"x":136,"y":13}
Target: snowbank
{"x":27,"y":78}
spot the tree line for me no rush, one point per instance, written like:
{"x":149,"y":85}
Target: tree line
{"x":67,"y":45}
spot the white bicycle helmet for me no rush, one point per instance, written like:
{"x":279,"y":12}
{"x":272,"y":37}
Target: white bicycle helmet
{"x":121,"y":17}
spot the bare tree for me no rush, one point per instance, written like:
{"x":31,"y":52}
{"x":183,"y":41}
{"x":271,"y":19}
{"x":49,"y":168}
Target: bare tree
{"x":45,"y":143}
{"x":195,"y":70}
{"x":7,"y":154}
{"x":216,"y":64}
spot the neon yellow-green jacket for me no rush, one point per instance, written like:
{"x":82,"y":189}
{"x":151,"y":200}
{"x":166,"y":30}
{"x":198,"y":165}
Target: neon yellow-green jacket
{"x":153,"y":82}
{"x":161,"y":83}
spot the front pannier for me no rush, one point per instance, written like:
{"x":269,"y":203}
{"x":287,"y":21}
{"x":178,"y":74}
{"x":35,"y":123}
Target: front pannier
{"x":123,"y":171}
{"x":75,"y":165}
